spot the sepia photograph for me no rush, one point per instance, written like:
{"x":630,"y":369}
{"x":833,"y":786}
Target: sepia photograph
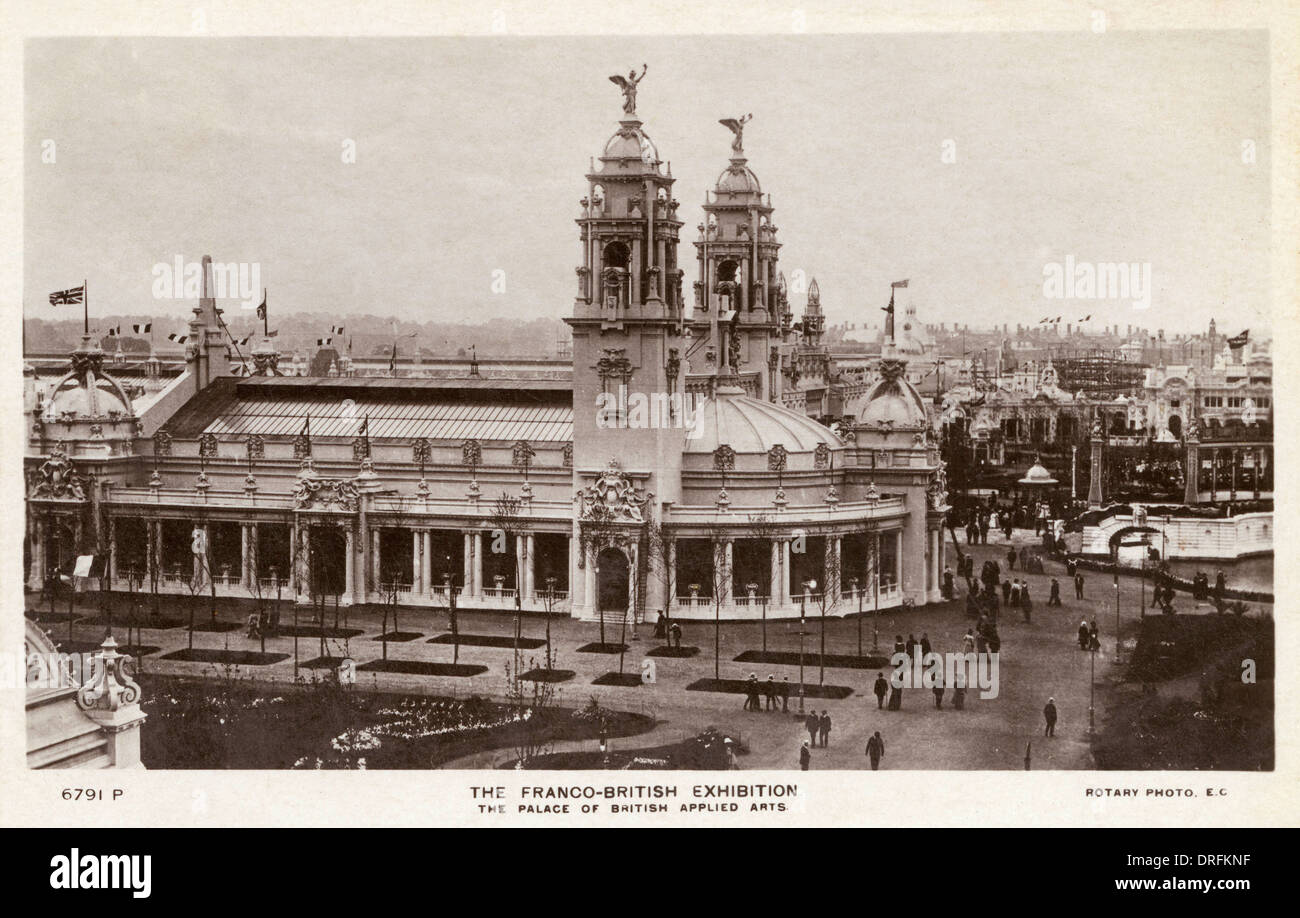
{"x":588,"y":402}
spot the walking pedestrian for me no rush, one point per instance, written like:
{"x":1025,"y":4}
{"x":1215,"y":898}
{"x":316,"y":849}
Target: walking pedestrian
{"x":824,"y":729}
{"x":812,"y":723}
{"x":1078,"y":585}
{"x":881,"y":688}
{"x":895,"y":697}
{"x":1084,"y":635}
{"x":805,"y":757}
{"x":1049,"y":715}
{"x":925,"y":644}
{"x":785,"y":694}
{"x":769,"y":691}
{"x":875,"y":750}
{"x":938,"y":695}
{"x":1011,"y":559}
{"x":1054,"y":599}
{"x":676,"y":631}
{"x":751,"y":693}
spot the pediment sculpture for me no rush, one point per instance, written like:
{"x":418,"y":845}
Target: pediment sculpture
{"x":614,"y":497}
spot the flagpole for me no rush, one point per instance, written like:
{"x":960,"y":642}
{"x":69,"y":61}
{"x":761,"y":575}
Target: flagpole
{"x":85,"y":308}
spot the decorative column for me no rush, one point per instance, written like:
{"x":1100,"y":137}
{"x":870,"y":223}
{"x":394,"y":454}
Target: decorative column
{"x":476,"y":557}
{"x":467,"y":564}
{"x":785,"y":572}
{"x":730,"y":572}
{"x":244,"y":581}
{"x":774,"y":575}
{"x":830,"y":568}
{"x":1257,"y":459}
{"x":376,"y":570}
{"x":530,"y":567}
{"x":589,"y":579}
{"x":112,"y":550}
{"x":521,"y":582}
{"x":1192,"y":469}
{"x":670,"y":600}
{"x":426,"y":561}
{"x":350,"y":565}
{"x":1232,"y":474}
{"x":418,"y":582}
{"x":1094,"y":478}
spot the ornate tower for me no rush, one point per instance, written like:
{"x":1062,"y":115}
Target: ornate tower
{"x":628,"y":351}
{"x":739,"y":285}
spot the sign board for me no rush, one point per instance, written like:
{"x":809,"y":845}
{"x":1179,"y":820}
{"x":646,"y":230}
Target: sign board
{"x":82,"y":568}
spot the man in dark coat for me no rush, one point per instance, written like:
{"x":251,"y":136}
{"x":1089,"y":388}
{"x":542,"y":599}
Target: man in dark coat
{"x":785,"y":694}
{"x":812,"y":723}
{"x":805,"y":757}
{"x":875,"y":750}
{"x":881,"y":688}
{"x":1084,"y":635}
{"x":1006,"y":592}
{"x":824,"y":729}
{"x":1078,"y":585}
{"x":769,"y":691}
{"x":1011,"y":559}
{"x":1054,"y":599}
{"x":1049,"y":715}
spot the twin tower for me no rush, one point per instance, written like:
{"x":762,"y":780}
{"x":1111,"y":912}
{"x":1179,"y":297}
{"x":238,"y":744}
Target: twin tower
{"x":633,"y":323}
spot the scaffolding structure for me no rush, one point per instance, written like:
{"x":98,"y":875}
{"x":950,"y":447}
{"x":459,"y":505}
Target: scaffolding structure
{"x":1099,"y":373}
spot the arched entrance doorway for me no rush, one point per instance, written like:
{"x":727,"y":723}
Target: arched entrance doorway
{"x":612,"y":580}
{"x":1175,"y":425}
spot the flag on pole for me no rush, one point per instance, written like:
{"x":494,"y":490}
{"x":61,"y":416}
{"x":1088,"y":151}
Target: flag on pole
{"x":261,"y":310}
{"x":177,"y":338}
{"x":336,"y":329}
{"x":144,"y":329}
{"x":899,"y":284}
{"x":1237,"y":341}
{"x":322,"y":342}
{"x":73,"y":296}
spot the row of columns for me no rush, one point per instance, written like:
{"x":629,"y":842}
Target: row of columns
{"x":1192,"y":471}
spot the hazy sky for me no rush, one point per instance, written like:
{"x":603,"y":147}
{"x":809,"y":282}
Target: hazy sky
{"x":471,"y":155}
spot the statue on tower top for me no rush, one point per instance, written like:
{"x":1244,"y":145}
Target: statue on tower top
{"x":737,"y":126}
{"x":628,"y":85}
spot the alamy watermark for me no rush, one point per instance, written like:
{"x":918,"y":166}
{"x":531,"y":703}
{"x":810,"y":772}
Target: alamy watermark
{"x":1106,"y":280}
{"x":624,"y":410}
{"x":235,"y":280}
{"x":946,"y":670}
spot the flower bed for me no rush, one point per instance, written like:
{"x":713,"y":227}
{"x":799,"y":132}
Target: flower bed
{"x":234,"y":723}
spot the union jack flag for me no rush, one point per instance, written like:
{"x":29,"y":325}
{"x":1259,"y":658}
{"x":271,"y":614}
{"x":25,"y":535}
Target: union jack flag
{"x":73,"y":296}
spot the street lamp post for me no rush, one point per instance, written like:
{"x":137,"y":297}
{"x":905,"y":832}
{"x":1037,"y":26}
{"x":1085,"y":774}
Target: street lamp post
{"x":803,"y":609}
{"x":854,"y":582}
{"x":1092,"y":688}
{"x":1117,"y":659}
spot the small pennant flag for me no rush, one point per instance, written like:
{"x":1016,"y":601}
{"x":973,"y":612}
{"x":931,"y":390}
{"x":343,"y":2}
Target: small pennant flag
{"x":322,"y":342}
{"x":178,"y":338}
{"x":73,"y":296}
{"x":244,"y":340}
{"x":1086,"y":318}
{"x":899,"y":284}
{"x":144,"y":329}
{"x":336,"y":330}
{"x":261,"y":310}
{"x":1237,"y":341}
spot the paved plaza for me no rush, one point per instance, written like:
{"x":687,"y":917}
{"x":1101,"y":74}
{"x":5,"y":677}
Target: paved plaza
{"x":1037,"y":660}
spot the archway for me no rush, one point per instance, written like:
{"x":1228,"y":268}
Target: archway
{"x":612,"y":580}
{"x":1175,"y":425}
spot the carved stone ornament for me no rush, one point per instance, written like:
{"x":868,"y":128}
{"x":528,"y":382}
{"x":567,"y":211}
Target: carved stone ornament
{"x":777,"y":457}
{"x":822,"y":456}
{"x":568,"y":455}
{"x":613,"y":496}
{"x":302,"y":447}
{"x":325,"y":492}
{"x":724,"y":458}
{"x":421,"y":451}
{"x":110,"y":685}
{"x":208,"y":446}
{"x":471,"y":453}
{"x":57,"y":478}
{"x":162,"y":443}
{"x":522,"y":453}
{"x":256,"y":446}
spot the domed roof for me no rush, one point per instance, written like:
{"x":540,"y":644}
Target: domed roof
{"x":738,"y":179}
{"x":893,"y":401}
{"x":1037,"y":475}
{"x":631,"y":142}
{"x":77,"y":399}
{"x":749,"y":425}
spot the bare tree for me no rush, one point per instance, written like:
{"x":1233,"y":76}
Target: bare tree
{"x":530,"y":701}
{"x":599,"y":530}
{"x":763,"y":529}
{"x":720,"y":576}
{"x":507,"y":525}
{"x":827,"y":598}
{"x":661,"y":564}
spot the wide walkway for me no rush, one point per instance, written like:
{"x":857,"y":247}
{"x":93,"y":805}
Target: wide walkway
{"x":1038,"y":660}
